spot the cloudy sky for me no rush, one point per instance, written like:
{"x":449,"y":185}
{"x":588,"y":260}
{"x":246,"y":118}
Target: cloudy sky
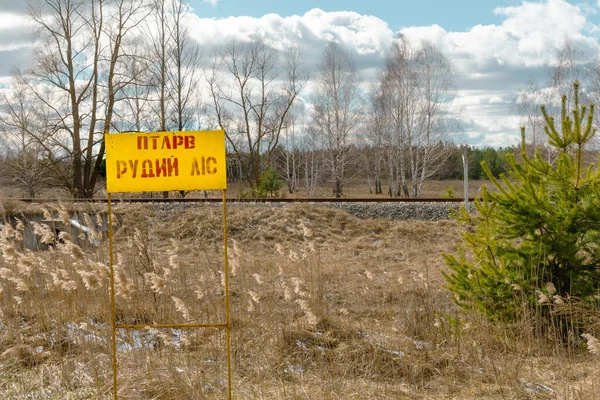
{"x":496,"y":46}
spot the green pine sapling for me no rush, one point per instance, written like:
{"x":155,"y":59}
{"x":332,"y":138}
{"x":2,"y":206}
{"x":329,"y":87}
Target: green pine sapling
{"x":538,"y":235}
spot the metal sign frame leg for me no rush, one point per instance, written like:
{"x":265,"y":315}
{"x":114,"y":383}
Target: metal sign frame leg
{"x":113,"y":309}
{"x":114,"y":326}
{"x":227,"y":316}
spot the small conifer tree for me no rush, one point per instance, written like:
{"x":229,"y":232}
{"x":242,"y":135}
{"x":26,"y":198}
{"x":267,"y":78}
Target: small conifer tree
{"x":269,"y":183}
{"x":538,"y":236}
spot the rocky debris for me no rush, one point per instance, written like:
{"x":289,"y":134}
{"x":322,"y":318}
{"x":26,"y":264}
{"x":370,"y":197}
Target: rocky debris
{"x":536,"y":388}
{"x":399,"y":211}
{"x":390,"y":211}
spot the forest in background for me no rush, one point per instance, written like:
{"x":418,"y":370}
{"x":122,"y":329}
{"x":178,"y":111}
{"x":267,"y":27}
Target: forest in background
{"x":132,"y":65}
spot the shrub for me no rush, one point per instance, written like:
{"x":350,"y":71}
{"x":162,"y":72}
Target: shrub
{"x":450,"y":193}
{"x":537,"y":238}
{"x":269,"y":183}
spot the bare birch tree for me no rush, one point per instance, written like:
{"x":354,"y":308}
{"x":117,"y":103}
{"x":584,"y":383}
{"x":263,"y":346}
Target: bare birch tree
{"x":183,"y":76}
{"x":336,"y":110}
{"x":377,"y":126}
{"x":568,"y":68}
{"x":173,"y":61}
{"x":312,"y":160}
{"x":252,"y":93}
{"x":400,"y":92}
{"x":529,"y":101}
{"x":428,"y":151}
{"x":158,"y":36}
{"x":26,"y":163}
{"x":416,"y":88}
{"x":136,"y":111}
{"x":291,"y":153}
{"x":74,"y":78}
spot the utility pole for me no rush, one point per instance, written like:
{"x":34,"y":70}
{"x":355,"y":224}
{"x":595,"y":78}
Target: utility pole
{"x":465,"y":161}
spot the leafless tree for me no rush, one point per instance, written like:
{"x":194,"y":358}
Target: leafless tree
{"x":183,"y":71}
{"x":312,"y":160}
{"x":529,"y":101}
{"x":172,"y":60}
{"x":569,"y":65}
{"x":184,"y":75}
{"x":75,"y":77}
{"x":252,"y":93}
{"x":291,"y":150}
{"x":135,"y":113}
{"x":26,"y":164}
{"x":427,"y":153}
{"x":125,"y":17}
{"x":568,"y":68}
{"x":157,"y":30}
{"x":415,"y":90}
{"x":336,"y":110}
{"x":377,"y":126}
{"x":400,"y":90}
{"x":591,"y":82}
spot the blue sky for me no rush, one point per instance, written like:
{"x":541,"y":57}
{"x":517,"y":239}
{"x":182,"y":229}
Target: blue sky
{"x":450,"y":14}
{"x":495,"y":46}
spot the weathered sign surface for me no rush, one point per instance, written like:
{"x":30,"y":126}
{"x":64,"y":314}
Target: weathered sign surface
{"x":162,"y":161}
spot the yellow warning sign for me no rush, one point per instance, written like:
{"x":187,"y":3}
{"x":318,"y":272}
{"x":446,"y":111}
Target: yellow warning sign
{"x":162,"y":161}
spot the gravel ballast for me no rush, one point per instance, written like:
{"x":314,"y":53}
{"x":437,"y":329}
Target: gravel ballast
{"x":391,"y":211}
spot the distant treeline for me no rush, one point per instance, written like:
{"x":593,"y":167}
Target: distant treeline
{"x":306,"y":168}
{"x":451,"y":169}
{"x":494,"y":158}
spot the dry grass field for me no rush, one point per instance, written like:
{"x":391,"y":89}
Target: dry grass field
{"x":324,"y":306}
{"x":354,"y":188}
{"x":359,"y":188}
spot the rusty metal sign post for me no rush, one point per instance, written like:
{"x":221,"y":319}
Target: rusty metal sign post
{"x":164,"y":161}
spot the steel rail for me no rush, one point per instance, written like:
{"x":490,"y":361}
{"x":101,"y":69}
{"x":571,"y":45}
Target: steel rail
{"x":250,"y":201}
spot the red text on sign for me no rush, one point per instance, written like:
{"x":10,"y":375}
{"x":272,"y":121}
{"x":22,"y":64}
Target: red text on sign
{"x":155,"y":142}
{"x":203,"y":166}
{"x":160,"y":167}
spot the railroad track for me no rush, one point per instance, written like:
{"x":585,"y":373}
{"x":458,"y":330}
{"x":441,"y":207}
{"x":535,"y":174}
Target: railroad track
{"x":251,"y":201}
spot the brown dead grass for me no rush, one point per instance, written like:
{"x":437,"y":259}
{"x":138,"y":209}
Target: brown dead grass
{"x":357,"y":188}
{"x":324,"y":306}
{"x":353,"y":188}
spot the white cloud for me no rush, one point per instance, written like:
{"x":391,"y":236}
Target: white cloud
{"x":527,"y":37}
{"x":9,"y":20}
{"x":15,"y":42}
{"x":365,"y":36}
{"x":15,"y":31}
{"x":492,"y":61}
